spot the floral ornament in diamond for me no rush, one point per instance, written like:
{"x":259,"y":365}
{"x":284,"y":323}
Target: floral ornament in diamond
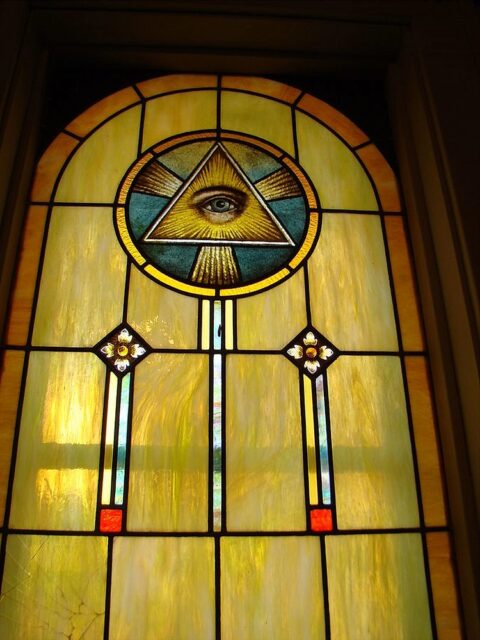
{"x":121,"y":349}
{"x":312,"y":352}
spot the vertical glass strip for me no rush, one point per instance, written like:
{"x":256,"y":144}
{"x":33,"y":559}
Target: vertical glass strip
{"x":323,"y":441}
{"x":109,"y":437}
{"x":217,"y":325}
{"x":122,"y":439}
{"x":217,"y":442}
{"x":228,"y":324}
{"x":205,"y":324}
{"x":310,"y":433}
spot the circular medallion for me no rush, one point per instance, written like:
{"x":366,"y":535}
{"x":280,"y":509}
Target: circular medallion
{"x":217,"y":216}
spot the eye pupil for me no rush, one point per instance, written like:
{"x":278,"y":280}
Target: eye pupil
{"x":220,"y":205}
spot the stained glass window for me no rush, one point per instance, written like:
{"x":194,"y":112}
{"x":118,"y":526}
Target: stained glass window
{"x":215,"y":398}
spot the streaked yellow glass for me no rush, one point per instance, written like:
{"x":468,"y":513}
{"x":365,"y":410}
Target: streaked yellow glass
{"x":205,"y":324}
{"x":96,"y":169}
{"x":53,"y":587}
{"x":179,"y":113}
{"x":177,"y":82}
{"x":257,"y":116}
{"x":377,"y":588}
{"x":109,"y":438}
{"x":310,"y":433}
{"x":165,"y":319}
{"x":56,"y":473}
{"x":383,"y":177}
{"x":100,"y":111}
{"x":271,"y":588}
{"x":262,"y":85}
{"x":264,"y":458}
{"x":229,"y":337}
{"x":81,"y":293}
{"x":50,"y":165}
{"x":443,"y":586}
{"x":270,"y":320}
{"x":169,"y":456}
{"x":337,"y":175}
{"x":349,"y":287}
{"x":373,"y":469}
{"x":163,"y":589}
{"x":10,"y":378}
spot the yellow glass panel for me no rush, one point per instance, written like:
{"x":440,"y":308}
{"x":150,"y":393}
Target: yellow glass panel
{"x":334,"y":119}
{"x":101,"y":110}
{"x":264,"y":459}
{"x":50,"y":164}
{"x":205,"y":324}
{"x":81,"y":293}
{"x":163,"y":589}
{"x":377,"y":588}
{"x":21,"y":304}
{"x":262,"y":85}
{"x":164,"y":84}
{"x":169,"y":455}
{"x":229,"y":324}
{"x":271,"y":319}
{"x":271,"y":588}
{"x":179,"y":113}
{"x":349,"y":287}
{"x":383,"y":177}
{"x":258,"y":116}
{"x":10,"y":378}
{"x":373,"y":469}
{"x":96,"y":169}
{"x":57,"y":461}
{"x":426,"y":441}
{"x":338,"y":176}
{"x":443,"y":587}
{"x":53,"y":587}
{"x":404,"y":288}
{"x":109,"y":438}
{"x":164,"y":318}
{"x":310,"y":433}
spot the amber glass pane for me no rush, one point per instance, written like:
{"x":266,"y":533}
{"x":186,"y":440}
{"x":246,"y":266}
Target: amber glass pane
{"x":339,"y":178}
{"x":261,"y":326}
{"x":443,"y":586}
{"x":163,"y":589}
{"x":10,"y":377}
{"x":258,"y":116}
{"x":95,"y":171}
{"x":166,"y":84}
{"x":265,"y":486}
{"x":169,"y":456}
{"x":183,"y":112}
{"x":53,"y":587}
{"x":271,"y":588}
{"x":101,"y":110}
{"x":404,"y":288}
{"x":262,"y":85}
{"x":373,"y":469}
{"x":376,"y":587}
{"x":75,"y":306}
{"x":50,"y":164}
{"x":21,"y":305}
{"x":161,"y":316}
{"x":349,"y":287}
{"x":57,"y":461}
{"x":383,"y":176}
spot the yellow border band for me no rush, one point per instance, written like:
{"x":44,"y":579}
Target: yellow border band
{"x":177,"y":284}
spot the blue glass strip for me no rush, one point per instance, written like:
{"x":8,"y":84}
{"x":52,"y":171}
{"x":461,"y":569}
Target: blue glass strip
{"x":217,"y":325}
{"x":122,"y":440}
{"x":217,"y":442}
{"x":323,"y":441}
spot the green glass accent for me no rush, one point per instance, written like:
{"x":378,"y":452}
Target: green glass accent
{"x":142,"y":210}
{"x":292,"y":214}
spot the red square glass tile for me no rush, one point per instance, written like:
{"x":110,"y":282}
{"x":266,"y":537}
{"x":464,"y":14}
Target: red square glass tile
{"x":111,"y":520}
{"x":321,"y":520}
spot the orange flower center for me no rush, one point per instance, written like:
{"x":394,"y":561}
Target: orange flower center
{"x":311,"y":353}
{"x":122,"y":350}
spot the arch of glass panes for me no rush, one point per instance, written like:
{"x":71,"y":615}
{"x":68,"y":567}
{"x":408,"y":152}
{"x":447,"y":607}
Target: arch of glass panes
{"x":253,"y":457}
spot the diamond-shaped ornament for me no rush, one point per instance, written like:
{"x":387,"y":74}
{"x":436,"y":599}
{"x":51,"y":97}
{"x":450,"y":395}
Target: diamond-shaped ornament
{"x":311,"y":352}
{"x":122,"y":349}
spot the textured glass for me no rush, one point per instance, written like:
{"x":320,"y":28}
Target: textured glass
{"x":376,"y":587}
{"x":122,"y":439}
{"x":217,"y":442}
{"x":262,"y":85}
{"x":264,"y":457}
{"x":426,"y":441}
{"x":349,"y":287}
{"x":310,"y":433}
{"x":56,"y":473}
{"x":109,"y":438}
{"x":383,"y":177}
{"x":169,"y":454}
{"x":337,"y":175}
{"x":205,"y":324}
{"x":180,"y":113}
{"x":21,"y":303}
{"x":261,"y":326}
{"x":163,"y":589}
{"x":164,"y":318}
{"x":257,"y":116}
{"x":271,"y":588}
{"x":165,"y":84}
{"x":217,"y":325}
{"x":229,"y":335}
{"x":10,"y":378}
{"x":49,"y":166}
{"x":75,"y":306}
{"x":95,"y":171}
{"x":100,"y":111}
{"x":373,"y":469}
{"x":323,"y":441}
{"x":443,"y":586}
{"x":53,"y":587}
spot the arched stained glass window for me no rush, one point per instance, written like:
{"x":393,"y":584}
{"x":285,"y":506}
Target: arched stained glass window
{"x":224,"y":424}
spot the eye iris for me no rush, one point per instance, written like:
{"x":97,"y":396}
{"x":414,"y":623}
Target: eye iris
{"x":220,"y":205}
